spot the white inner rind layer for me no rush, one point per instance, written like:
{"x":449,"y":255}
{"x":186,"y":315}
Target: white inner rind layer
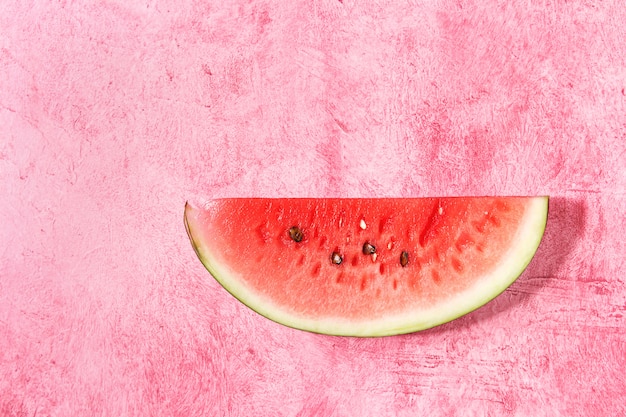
{"x":512,"y":264}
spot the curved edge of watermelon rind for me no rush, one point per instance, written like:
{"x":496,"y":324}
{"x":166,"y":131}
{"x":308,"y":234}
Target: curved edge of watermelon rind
{"x":516,"y":259}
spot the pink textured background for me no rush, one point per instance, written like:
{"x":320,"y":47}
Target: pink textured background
{"x":111,"y":116}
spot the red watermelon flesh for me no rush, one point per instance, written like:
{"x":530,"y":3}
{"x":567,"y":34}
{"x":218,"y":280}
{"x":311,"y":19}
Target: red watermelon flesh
{"x":308,"y":263}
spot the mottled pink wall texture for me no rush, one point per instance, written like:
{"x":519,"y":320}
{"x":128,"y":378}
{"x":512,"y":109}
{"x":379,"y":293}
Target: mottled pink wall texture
{"x":114,"y":113}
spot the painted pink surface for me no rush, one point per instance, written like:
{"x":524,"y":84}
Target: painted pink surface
{"x":111,"y":116}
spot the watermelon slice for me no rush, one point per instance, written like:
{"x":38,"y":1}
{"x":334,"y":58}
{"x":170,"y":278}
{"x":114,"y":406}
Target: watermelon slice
{"x":366,"y":267}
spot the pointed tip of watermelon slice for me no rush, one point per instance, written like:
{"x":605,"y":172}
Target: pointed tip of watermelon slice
{"x":201,"y":227}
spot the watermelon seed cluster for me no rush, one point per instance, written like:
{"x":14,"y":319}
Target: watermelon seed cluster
{"x":368,"y":249}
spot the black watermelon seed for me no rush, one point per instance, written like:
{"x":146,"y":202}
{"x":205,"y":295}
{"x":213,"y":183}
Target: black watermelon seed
{"x":296,"y":234}
{"x":404,"y":258}
{"x":368,"y":248}
{"x":336,"y":258}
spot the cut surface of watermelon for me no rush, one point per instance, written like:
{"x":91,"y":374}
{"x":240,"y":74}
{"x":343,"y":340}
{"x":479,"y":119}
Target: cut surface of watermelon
{"x":366,"y":267}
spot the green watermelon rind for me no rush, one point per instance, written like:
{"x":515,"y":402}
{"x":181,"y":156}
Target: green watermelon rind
{"x":514,"y":262}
